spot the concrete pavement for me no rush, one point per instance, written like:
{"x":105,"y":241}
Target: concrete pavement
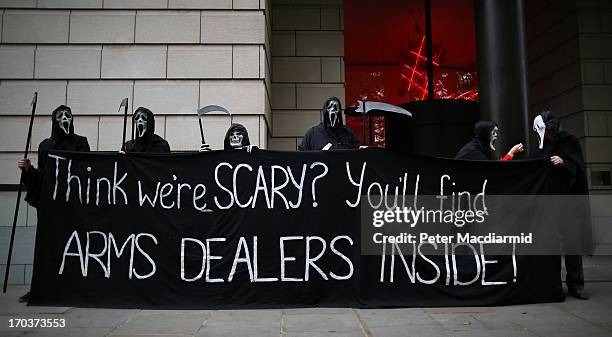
{"x":572,"y":318}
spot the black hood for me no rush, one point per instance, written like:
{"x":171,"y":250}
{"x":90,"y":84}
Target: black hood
{"x":482,"y":132}
{"x":478,"y":148}
{"x":553,"y":135}
{"x":241,"y":129}
{"x":150,"y":142}
{"x":553,"y":124}
{"x":326,"y":121}
{"x":56,"y":131}
{"x":150,"y":124}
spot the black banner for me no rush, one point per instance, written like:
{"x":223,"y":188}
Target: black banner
{"x":266,"y":229}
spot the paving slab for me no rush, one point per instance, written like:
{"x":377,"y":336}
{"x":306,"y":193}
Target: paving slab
{"x":321,"y":323}
{"x":150,"y":335}
{"x":98,"y":318}
{"x":575,"y":318}
{"x":265,"y":322}
{"x":326,"y":334}
{"x":267,"y":315}
{"x":430,"y":330}
{"x":238,"y":330}
{"x":495,"y":333}
{"x":570,"y":331}
{"x":12,"y":334}
{"x":390,"y":317}
{"x":69,"y":332}
{"x":318,"y":311}
{"x":177,"y":323}
{"x":458,"y":310}
{"x":458,"y":322}
{"x":495,"y":321}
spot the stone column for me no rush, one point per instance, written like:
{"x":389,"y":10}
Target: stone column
{"x":502,"y":68}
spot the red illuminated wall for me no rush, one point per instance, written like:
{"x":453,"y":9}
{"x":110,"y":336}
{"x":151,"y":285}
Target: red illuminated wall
{"x":385,"y":57}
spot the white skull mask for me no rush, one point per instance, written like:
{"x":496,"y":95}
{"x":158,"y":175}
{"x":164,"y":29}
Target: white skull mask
{"x":236,"y":138}
{"x":141,"y":123}
{"x":540,"y":128}
{"x":493,"y":137}
{"x":333,"y":112}
{"x":64,"y":120}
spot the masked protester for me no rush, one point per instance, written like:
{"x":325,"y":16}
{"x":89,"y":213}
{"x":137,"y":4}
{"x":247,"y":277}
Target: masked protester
{"x":482,"y":146}
{"x":564,"y":152}
{"x":62,"y":138}
{"x":146,"y":139}
{"x":237,"y":137}
{"x":331,"y":133}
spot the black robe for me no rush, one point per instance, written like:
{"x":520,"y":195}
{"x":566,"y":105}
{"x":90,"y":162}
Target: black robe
{"x":572,"y":178}
{"x":59,"y":140}
{"x":149,"y":142}
{"x":575,"y":226}
{"x":340,"y":137}
{"x":318,"y":136}
{"x":478,"y":148}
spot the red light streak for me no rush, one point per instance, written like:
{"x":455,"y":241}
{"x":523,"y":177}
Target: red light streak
{"x":416,"y":76}
{"x":416,"y":62}
{"x":423,"y":58}
{"x":413,"y":70}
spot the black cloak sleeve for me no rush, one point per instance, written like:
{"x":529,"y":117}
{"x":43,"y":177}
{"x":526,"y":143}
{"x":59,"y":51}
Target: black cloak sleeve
{"x":159,"y":145}
{"x":471,"y":151}
{"x":156,"y":145}
{"x":306,"y":144}
{"x":568,"y":148}
{"x":353,"y":141}
{"x":317,"y":137}
{"x":33,"y":178}
{"x":82,"y":144}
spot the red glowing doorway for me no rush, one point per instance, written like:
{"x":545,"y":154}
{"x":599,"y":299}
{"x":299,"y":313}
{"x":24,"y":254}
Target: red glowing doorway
{"x":385,"y":59}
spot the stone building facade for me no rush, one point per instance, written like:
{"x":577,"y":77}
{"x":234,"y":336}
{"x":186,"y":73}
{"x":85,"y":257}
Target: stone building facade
{"x":271,"y":63}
